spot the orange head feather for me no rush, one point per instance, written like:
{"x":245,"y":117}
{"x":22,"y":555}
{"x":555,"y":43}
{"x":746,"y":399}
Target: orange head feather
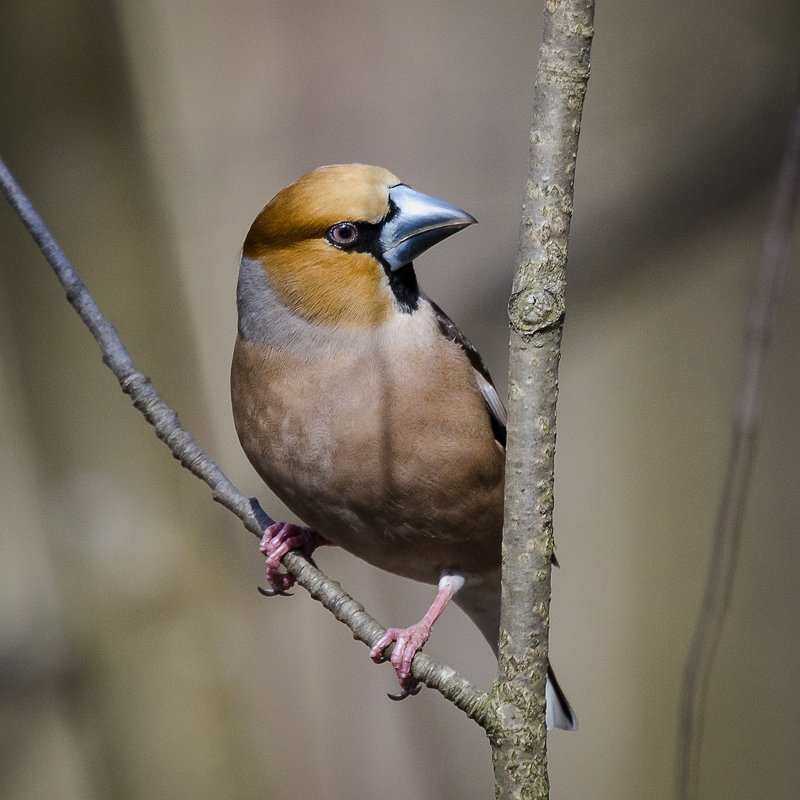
{"x":311,"y":276}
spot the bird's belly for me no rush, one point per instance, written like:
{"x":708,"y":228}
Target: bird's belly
{"x":409,"y":488}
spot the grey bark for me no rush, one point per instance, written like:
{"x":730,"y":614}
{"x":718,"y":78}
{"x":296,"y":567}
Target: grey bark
{"x":536,"y":312}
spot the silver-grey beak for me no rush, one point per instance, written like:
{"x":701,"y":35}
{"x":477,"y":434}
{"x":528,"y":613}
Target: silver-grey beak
{"x":419,"y":222}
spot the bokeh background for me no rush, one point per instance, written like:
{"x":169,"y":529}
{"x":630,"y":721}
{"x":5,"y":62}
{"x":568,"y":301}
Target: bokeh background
{"x":136,"y":658}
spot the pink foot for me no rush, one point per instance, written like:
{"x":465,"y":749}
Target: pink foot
{"x":408,"y":642}
{"x":276,"y":542}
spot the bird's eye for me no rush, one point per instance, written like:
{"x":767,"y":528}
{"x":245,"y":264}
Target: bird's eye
{"x":343,"y":234}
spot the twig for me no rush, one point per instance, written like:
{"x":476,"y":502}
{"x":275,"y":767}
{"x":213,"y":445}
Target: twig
{"x":730,"y":514}
{"x":536,"y":313}
{"x":184,"y":448}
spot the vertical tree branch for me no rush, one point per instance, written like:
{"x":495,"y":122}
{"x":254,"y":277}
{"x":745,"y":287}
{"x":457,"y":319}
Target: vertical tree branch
{"x":536,"y":312}
{"x":770,"y":281}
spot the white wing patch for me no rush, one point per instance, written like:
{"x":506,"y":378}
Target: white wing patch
{"x":492,"y":399}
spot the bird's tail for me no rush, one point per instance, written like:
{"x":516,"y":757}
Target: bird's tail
{"x":559,"y":712}
{"x":482,"y":606}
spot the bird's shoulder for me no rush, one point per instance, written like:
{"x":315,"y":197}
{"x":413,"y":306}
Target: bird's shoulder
{"x":494,"y":405}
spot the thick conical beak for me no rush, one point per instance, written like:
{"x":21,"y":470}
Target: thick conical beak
{"x":418,"y":222}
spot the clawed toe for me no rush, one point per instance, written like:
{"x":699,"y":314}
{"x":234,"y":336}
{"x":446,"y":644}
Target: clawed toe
{"x":407,"y":643}
{"x":278,"y":540}
{"x":274,"y":592}
{"x":406,"y":692}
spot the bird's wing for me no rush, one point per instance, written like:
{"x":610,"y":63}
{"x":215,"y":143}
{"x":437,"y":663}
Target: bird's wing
{"x":494,"y":405}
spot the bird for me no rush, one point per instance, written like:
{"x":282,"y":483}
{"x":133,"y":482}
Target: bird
{"x":363,"y":407}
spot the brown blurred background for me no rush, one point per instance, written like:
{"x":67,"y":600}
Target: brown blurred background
{"x":136,"y":658}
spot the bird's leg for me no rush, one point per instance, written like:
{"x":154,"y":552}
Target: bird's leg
{"x":276,"y":542}
{"x":409,"y":641}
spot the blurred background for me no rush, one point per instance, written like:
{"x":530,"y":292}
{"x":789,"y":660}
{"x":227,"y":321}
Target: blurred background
{"x":136,"y":658}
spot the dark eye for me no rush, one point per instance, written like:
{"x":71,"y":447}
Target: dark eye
{"x":343,"y":234}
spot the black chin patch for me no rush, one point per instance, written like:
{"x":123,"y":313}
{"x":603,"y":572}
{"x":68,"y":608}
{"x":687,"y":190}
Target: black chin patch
{"x":403,"y":283}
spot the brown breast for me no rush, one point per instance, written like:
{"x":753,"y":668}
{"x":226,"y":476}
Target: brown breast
{"x":373,"y":451}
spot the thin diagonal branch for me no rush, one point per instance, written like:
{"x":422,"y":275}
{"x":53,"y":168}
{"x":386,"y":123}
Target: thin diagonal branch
{"x":730,"y":515}
{"x":184,"y":448}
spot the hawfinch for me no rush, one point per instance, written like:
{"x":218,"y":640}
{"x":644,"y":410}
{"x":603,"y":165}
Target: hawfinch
{"x":362,"y":405}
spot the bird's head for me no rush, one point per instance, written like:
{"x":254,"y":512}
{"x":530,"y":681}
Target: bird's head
{"x":338,"y":244}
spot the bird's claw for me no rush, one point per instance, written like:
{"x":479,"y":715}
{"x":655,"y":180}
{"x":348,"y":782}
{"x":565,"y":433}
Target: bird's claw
{"x":279,"y":539}
{"x":407,"y":643}
{"x":273,"y":592}
{"x":409,"y":692}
